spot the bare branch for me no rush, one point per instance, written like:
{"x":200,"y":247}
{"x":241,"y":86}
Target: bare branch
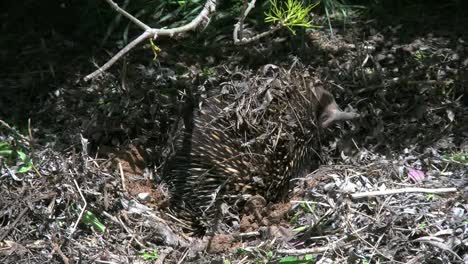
{"x":127,"y":15}
{"x":243,"y":41}
{"x":113,"y":24}
{"x":117,"y":56}
{"x":208,"y":9}
{"x":239,"y":27}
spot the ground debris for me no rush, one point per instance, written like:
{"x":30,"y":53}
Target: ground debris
{"x":83,"y":181}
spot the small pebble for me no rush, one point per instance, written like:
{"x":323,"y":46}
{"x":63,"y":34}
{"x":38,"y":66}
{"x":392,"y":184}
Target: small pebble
{"x":144,"y":197}
{"x":458,"y":212}
{"x":329,"y":186}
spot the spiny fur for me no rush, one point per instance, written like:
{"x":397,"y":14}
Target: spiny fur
{"x":219,"y":159}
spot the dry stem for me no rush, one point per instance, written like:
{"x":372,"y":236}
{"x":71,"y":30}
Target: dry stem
{"x":208,"y":9}
{"x":239,"y":27}
{"x":404,"y":190}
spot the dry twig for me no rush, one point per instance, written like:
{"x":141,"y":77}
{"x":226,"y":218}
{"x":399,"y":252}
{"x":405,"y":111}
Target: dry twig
{"x":439,"y":243}
{"x":10,"y":227}
{"x":122,"y":177}
{"x":82,"y":210}
{"x":56,"y":248}
{"x":315,"y":250}
{"x":208,"y":9}
{"x":24,"y":139}
{"x":404,"y":190}
{"x":238,"y":37}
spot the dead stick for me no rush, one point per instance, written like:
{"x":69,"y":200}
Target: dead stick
{"x":56,"y":247}
{"x":207,"y":11}
{"x":304,"y":251}
{"x":82,"y":210}
{"x":9,"y":228}
{"x":122,"y":177}
{"x":404,"y":190}
{"x":23,"y":138}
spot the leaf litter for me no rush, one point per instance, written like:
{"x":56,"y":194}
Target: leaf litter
{"x":94,"y":192}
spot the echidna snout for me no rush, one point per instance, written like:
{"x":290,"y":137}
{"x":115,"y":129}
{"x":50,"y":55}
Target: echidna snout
{"x":333,"y":114}
{"x":330,"y":112}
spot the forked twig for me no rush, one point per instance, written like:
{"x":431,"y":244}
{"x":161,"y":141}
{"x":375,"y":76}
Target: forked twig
{"x":237,"y":35}
{"x":208,"y":9}
{"x":82,"y":209}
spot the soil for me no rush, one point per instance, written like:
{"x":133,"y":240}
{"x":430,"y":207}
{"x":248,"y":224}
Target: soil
{"x":96,"y":191}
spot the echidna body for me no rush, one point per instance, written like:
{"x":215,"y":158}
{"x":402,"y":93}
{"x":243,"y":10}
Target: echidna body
{"x":251,"y":142}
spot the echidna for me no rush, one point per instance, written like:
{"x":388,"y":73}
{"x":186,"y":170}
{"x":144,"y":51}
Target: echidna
{"x":249,"y":142}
